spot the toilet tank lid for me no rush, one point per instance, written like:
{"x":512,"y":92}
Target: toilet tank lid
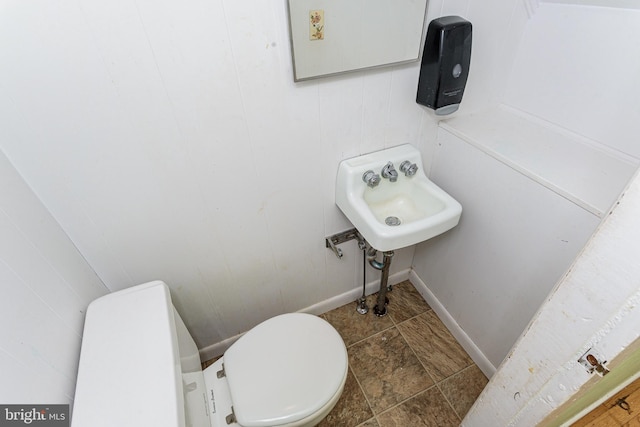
{"x":129,"y":371}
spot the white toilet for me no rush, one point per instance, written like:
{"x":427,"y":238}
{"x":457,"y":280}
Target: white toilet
{"x":140,"y":367}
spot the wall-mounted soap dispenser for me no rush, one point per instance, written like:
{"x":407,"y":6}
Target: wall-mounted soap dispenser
{"x":445,"y":64}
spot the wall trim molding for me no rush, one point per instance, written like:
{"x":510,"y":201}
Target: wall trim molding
{"x":619,"y":4}
{"x":352,"y":295}
{"x":217,"y":349}
{"x":531,"y":6}
{"x":449,"y":321}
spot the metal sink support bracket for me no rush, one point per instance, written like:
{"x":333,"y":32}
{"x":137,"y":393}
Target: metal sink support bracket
{"x":332,"y":242}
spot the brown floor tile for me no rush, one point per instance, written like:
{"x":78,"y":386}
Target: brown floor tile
{"x":387,"y":369}
{"x":434,"y":345}
{"x":429,"y":408}
{"x":370,"y":423}
{"x":405,"y":302}
{"x":463,"y":388}
{"x":353,"y":326}
{"x":352,"y":409}
{"x":395,"y":359}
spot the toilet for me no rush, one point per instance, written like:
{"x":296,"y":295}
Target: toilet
{"x":140,"y":367}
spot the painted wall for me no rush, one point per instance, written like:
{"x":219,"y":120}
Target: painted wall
{"x":577,"y":68}
{"x":520,"y":229}
{"x":442,"y":262}
{"x":595,"y":307}
{"x":46,"y":286}
{"x":169,"y":141}
{"x":497,"y":29}
{"x":514,"y":242}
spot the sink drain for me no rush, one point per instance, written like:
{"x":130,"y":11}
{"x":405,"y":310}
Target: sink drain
{"x":392,"y":220}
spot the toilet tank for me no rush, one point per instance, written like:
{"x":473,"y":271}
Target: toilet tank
{"x":138,"y":364}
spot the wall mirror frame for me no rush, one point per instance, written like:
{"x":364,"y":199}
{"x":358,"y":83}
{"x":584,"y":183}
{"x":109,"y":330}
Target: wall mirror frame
{"x":331,"y":37}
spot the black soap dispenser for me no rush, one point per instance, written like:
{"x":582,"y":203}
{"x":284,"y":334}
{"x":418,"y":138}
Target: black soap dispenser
{"x":445,"y":64}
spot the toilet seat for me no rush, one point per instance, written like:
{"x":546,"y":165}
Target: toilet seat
{"x":285,"y":370}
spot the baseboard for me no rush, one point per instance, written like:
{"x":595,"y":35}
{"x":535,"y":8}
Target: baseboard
{"x":352,"y":295}
{"x":217,"y":349}
{"x":459,"y":334}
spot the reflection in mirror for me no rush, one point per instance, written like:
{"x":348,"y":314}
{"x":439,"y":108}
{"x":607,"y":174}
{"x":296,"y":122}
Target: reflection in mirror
{"x":335,"y":36}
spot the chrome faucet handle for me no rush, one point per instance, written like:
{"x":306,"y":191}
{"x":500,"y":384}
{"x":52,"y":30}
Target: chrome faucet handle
{"x":408,"y":168}
{"x":388,"y":171}
{"x":371,"y":178}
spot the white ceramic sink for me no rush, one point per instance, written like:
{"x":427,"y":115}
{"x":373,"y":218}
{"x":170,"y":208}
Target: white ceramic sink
{"x":393,"y":215}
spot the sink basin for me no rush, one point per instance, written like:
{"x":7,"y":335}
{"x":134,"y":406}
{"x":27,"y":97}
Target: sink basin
{"x":393,"y":215}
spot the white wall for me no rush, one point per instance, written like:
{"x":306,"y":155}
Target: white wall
{"x":514,"y":242}
{"x":46,"y":286}
{"x":530,"y":205}
{"x":578,"y":67}
{"x":595,"y":306}
{"x":170,"y":142}
{"x":575,"y":69}
{"x":497,"y":29}
{"x":446,"y":264}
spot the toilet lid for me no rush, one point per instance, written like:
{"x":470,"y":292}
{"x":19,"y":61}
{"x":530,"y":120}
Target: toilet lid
{"x":284,"y":369}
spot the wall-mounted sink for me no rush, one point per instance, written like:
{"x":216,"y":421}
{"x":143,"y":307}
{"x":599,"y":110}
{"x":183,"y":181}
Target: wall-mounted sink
{"x":392,"y":209}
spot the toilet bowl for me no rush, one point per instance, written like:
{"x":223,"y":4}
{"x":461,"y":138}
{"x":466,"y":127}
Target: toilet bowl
{"x":140,"y":367}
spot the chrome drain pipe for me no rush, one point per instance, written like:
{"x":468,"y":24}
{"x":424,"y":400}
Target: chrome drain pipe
{"x":381,"y":307}
{"x":332,"y":243}
{"x":372,"y":253}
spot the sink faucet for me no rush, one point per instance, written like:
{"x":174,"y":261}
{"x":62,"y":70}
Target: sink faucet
{"x":388,"y":171}
{"x":408,"y":168}
{"x":371,"y":178}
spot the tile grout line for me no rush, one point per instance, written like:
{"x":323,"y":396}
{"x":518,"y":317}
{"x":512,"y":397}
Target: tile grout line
{"x":451,"y":377}
{"x":447,"y":399}
{"x":407,"y":399}
{"x":398,"y":325}
{"x":435,"y":383}
{"x":365,"y":397}
{"x":394,"y":325}
{"x":375,"y":416}
{"x":416,"y":354}
{"x":372,"y":335}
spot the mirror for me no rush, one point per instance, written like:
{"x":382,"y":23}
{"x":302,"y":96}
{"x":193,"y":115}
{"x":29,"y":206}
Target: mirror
{"x":335,"y":36}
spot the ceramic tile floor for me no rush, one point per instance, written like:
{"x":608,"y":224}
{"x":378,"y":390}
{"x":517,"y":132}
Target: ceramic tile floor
{"x":405,"y":369}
